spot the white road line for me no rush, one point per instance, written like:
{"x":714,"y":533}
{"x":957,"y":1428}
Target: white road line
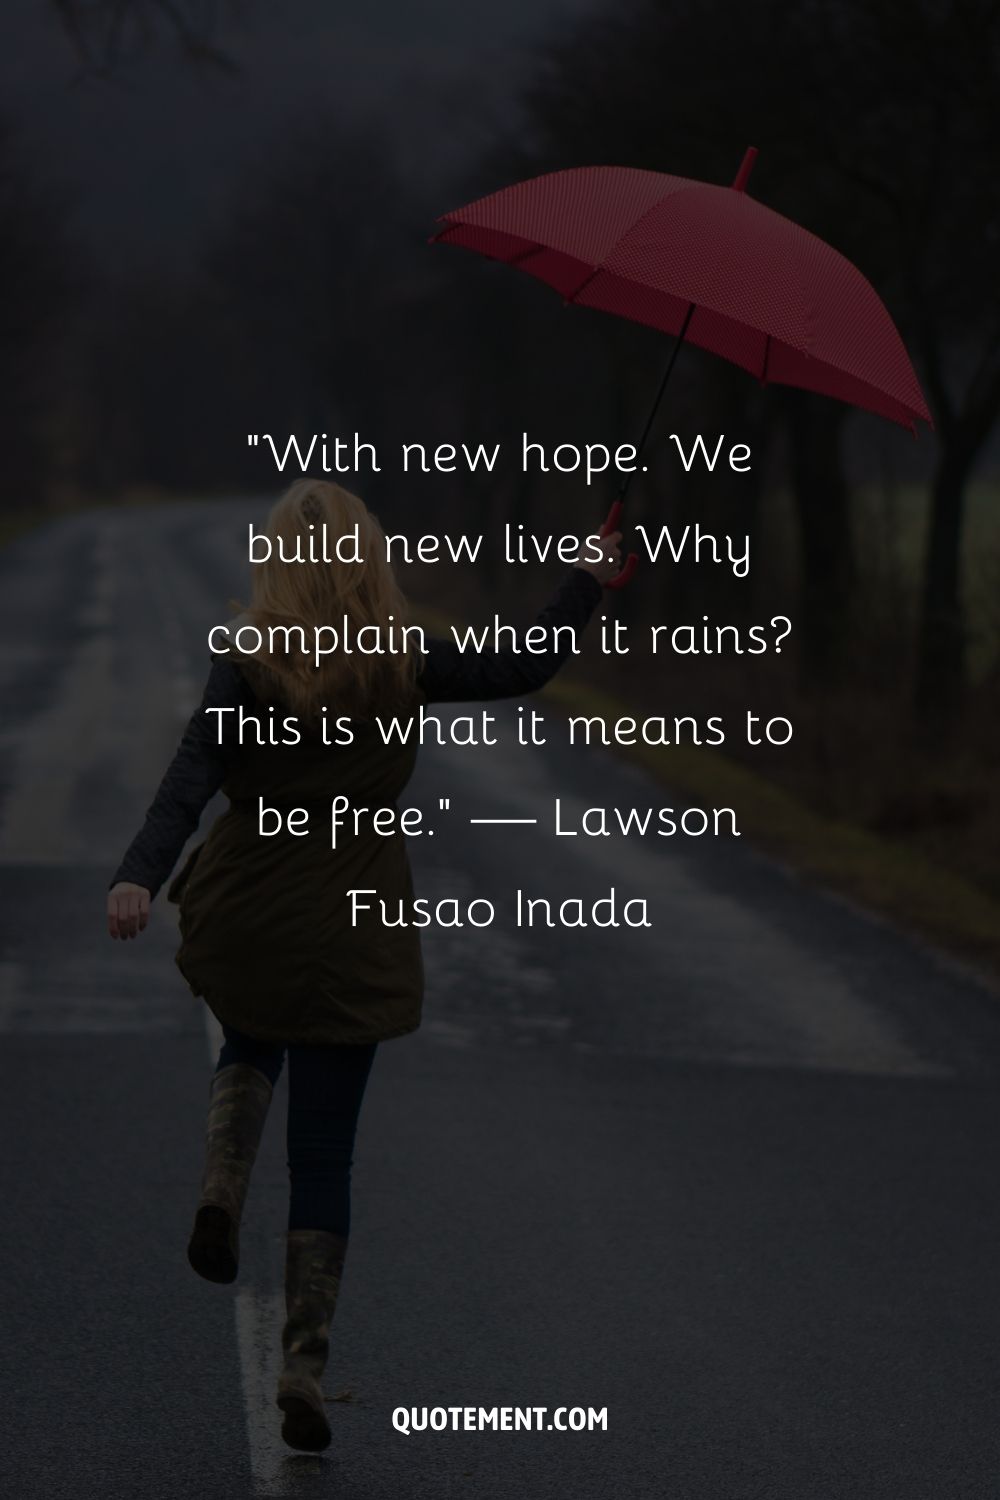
{"x":214,"y":1037}
{"x":37,"y":826}
{"x":97,"y":614}
{"x":275,"y":1470}
{"x":90,"y":722}
{"x":260,"y":1317}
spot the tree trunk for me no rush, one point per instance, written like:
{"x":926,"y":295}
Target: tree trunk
{"x":826,"y":541}
{"x":941,"y":667}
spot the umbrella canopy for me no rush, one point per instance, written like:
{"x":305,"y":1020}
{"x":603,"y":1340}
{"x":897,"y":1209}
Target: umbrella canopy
{"x":709,"y":264}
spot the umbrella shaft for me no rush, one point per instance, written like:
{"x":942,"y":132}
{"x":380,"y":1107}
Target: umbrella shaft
{"x":623,"y":491}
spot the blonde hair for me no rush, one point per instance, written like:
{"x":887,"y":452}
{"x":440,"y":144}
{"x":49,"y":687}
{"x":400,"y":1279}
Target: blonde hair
{"x":308,"y":594}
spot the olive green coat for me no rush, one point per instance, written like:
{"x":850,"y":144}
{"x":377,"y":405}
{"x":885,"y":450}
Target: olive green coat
{"x":266,"y":933}
{"x":266,"y":922}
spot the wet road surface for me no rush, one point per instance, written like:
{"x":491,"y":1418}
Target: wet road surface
{"x":732,"y":1178}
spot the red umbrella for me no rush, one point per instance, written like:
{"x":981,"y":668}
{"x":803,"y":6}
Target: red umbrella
{"x":709,"y":264}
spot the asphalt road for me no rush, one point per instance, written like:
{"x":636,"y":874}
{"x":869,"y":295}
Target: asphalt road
{"x":733,"y":1179}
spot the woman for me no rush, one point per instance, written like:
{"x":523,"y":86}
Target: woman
{"x":266,"y":931}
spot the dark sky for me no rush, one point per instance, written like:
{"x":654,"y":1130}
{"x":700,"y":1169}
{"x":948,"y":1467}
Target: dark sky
{"x":150,"y":156}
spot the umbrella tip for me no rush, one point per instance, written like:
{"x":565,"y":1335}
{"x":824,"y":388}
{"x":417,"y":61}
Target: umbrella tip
{"x":746,"y":167}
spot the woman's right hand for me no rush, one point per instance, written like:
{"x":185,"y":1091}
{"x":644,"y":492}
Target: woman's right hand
{"x":610,"y":564}
{"x":128,"y":909}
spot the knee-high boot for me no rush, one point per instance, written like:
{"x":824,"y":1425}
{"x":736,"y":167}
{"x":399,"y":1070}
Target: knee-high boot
{"x":238,"y":1106}
{"x":313,"y":1267}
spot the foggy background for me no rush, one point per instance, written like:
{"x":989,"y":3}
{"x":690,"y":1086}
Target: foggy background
{"x":216,"y":220}
{"x":732,"y":1176}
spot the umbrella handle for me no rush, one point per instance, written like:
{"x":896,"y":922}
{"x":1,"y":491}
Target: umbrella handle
{"x":611,"y":524}
{"x":631,"y":562}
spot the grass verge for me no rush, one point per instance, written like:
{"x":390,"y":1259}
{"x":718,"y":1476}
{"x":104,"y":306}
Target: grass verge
{"x":876,"y":873}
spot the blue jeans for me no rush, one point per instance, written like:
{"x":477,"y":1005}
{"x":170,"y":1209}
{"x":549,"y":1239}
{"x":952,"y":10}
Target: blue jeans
{"x":325,"y":1088}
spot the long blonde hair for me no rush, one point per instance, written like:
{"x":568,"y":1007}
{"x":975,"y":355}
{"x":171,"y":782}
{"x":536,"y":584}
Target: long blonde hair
{"x":308,"y":594}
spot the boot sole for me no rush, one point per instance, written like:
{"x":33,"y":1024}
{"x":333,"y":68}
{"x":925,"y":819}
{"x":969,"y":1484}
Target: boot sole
{"x":304,"y":1427}
{"x":212,"y":1247}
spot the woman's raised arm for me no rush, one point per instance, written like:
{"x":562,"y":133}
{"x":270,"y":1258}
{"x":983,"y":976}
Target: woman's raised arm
{"x":449,"y":675}
{"x":191,"y":781}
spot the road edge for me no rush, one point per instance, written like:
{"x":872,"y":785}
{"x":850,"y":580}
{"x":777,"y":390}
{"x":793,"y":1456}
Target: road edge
{"x":882,"y":877}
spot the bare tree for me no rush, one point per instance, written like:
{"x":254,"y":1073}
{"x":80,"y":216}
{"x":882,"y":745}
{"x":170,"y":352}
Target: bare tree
{"x":40,"y":276}
{"x":879,"y":131}
{"x":109,"y":33}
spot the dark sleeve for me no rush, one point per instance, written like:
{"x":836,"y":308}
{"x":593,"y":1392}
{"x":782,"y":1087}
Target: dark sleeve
{"x":191,"y":781}
{"x":449,"y":675}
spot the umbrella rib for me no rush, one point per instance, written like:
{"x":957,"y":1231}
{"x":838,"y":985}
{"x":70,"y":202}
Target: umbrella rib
{"x":750,"y":271}
{"x":584,"y":283}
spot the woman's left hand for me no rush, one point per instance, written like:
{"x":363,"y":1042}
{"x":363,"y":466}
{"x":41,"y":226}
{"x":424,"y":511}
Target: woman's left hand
{"x":128,"y":909}
{"x":609,"y":565}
